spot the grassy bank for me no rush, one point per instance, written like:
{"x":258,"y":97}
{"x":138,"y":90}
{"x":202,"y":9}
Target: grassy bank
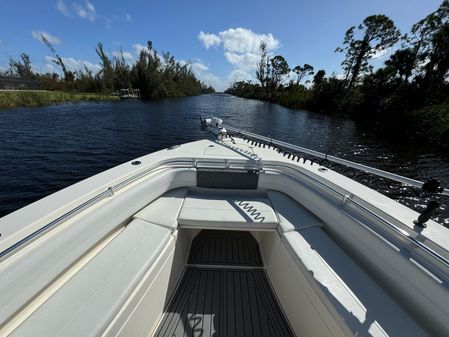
{"x":25,"y":98}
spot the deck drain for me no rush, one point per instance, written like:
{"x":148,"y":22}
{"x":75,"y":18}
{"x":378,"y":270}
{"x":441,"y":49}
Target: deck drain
{"x":136,"y":162}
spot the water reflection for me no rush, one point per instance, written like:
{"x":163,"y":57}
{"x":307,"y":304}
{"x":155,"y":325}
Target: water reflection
{"x":45,"y":149}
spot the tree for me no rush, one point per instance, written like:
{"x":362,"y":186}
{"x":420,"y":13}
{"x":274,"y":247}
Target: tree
{"x":351,"y":43}
{"x":279,"y":68}
{"x":69,"y":76}
{"x":301,"y":72}
{"x":402,"y":62}
{"x":121,"y":72}
{"x":261,"y":71}
{"x":162,"y":76}
{"x":319,"y":77}
{"x":378,"y":34}
{"x":107,"y":71}
{"x":438,"y":65}
{"x":21,"y":69}
{"x":425,"y":36}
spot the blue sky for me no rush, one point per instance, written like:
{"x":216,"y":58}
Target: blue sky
{"x":220,"y":38}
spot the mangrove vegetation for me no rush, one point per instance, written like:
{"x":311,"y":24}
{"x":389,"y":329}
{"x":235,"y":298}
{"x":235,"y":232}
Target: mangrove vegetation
{"x":408,"y":95}
{"x":156,"y":75}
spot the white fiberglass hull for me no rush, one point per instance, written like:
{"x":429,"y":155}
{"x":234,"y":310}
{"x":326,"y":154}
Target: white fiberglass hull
{"x":109,"y":256}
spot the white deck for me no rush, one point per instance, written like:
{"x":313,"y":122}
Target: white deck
{"x":28,"y":219}
{"x":109,"y":277}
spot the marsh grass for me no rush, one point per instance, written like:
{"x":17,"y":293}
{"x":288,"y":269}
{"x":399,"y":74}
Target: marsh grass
{"x":29,"y":98}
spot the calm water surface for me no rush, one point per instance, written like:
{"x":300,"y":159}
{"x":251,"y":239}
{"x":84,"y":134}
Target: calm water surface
{"x":43,"y":150}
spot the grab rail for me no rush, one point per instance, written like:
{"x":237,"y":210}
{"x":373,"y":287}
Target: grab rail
{"x":337,"y":160}
{"x":110,"y":191}
{"x":400,"y":232}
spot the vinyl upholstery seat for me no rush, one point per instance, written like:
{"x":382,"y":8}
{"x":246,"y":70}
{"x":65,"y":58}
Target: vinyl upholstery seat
{"x":164,"y":211}
{"x":84,"y":304}
{"x":236,"y":211}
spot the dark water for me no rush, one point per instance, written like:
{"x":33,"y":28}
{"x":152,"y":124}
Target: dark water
{"x":43,"y":150}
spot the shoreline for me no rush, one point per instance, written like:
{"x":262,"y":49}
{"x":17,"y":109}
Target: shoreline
{"x":428,"y":125}
{"x":10,"y":99}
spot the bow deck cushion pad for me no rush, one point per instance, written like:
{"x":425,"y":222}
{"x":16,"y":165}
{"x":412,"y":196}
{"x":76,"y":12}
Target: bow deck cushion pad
{"x":227,"y":211}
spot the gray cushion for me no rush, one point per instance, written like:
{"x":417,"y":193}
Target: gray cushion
{"x":244,"y":211}
{"x":164,"y":210}
{"x":292,"y":216}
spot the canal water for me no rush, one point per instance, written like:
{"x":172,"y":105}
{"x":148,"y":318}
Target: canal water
{"x":45,"y":149}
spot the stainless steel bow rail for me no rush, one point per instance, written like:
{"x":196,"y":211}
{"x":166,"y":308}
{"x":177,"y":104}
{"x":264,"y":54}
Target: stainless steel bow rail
{"x":284,"y":147}
{"x":110,"y":192}
{"x":430,"y":261}
{"x":390,"y":184}
{"x":391,"y":233}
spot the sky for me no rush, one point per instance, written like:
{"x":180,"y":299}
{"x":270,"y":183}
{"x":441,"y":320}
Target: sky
{"x":219,"y":38}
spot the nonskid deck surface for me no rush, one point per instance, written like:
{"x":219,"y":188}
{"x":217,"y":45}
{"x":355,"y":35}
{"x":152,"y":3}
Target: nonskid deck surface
{"x":225,"y":248}
{"x":224,"y":292}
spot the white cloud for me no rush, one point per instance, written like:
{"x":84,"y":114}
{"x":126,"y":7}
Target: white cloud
{"x":238,"y":40}
{"x":49,"y":59}
{"x":108,"y":20}
{"x":202,"y":73}
{"x":211,"y":80}
{"x":37,"y":34}
{"x":246,"y":61}
{"x":379,"y":54}
{"x":238,"y":75}
{"x":86,"y":10}
{"x":242,"y":40}
{"x":72,"y":64}
{"x":241,"y":49}
{"x":209,"y":40}
{"x":50,"y":68}
{"x":126,"y":55}
{"x":62,"y":7}
{"x":138,"y":48}
{"x":197,"y":66}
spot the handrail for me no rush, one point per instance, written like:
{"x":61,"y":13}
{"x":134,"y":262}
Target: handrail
{"x":400,"y":232}
{"x":193,"y":163}
{"x":110,"y":191}
{"x":337,"y":160}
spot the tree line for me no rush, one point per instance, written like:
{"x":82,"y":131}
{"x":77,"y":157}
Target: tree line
{"x":155,"y":75}
{"x":408,"y":94}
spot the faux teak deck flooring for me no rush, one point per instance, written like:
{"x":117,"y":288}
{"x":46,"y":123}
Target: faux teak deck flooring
{"x":224,"y":292}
